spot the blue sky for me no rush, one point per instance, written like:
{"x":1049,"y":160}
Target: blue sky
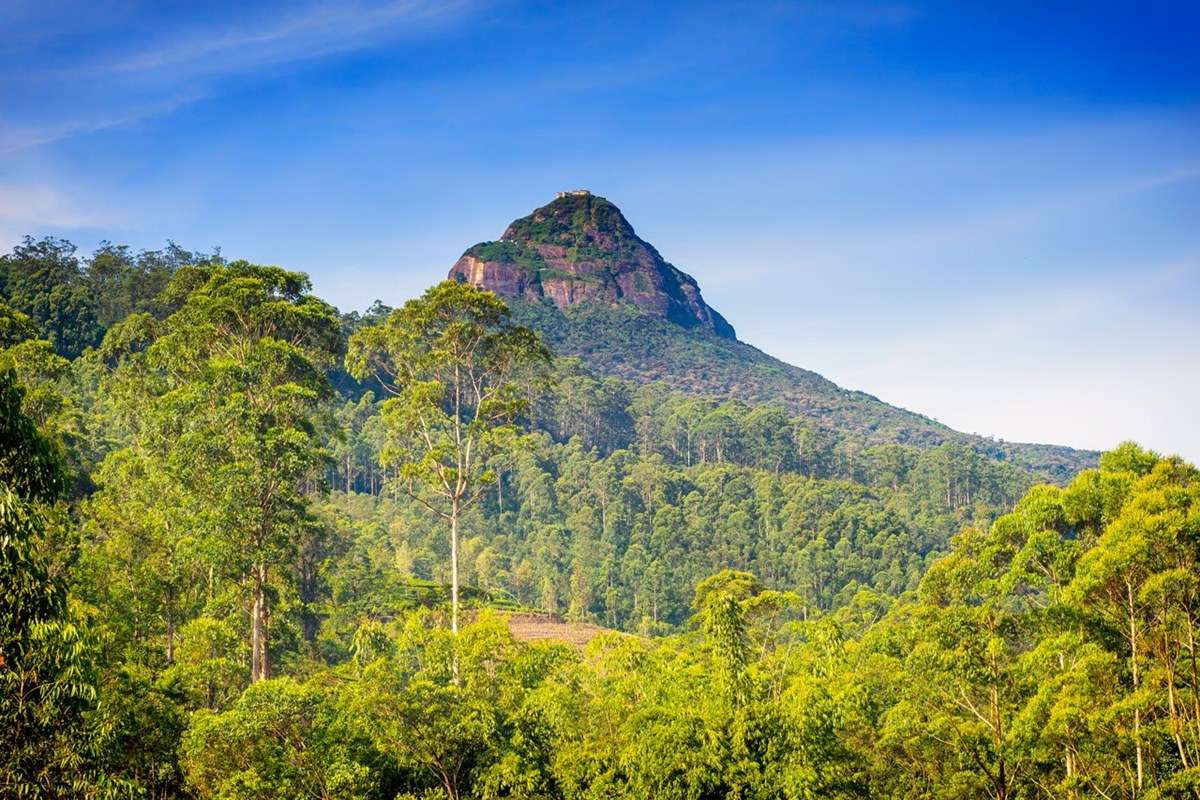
{"x":987,"y":212}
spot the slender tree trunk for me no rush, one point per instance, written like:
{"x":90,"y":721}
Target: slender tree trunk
{"x":654,"y":599}
{"x":454,"y":566}
{"x":1137,"y":712}
{"x":1068,"y":756}
{"x":1177,"y":715}
{"x":264,"y":607}
{"x":1194,"y":724}
{"x":260,"y":667}
{"x":1176,"y":724}
{"x":997,"y":725}
{"x":169,"y":618}
{"x":454,"y":509}
{"x":310,"y":623}
{"x":255,"y":632}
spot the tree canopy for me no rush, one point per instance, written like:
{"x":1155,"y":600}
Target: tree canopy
{"x":226,"y":572}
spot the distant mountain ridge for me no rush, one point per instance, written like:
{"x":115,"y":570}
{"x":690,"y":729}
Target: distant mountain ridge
{"x":575,"y":271}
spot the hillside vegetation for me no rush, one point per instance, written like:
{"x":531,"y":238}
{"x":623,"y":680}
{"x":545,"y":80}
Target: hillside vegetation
{"x":621,"y":341}
{"x":575,"y":271}
{"x":237,"y":527}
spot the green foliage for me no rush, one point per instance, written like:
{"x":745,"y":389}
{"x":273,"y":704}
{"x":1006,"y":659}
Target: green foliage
{"x":579,"y":222}
{"x":72,"y":302}
{"x":623,"y":538}
{"x":125,"y":283}
{"x":455,"y":367}
{"x":452,"y":363}
{"x":821,"y":597}
{"x":207,"y":666}
{"x":46,"y":652}
{"x":15,"y":327}
{"x":40,"y":371}
{"x":624,"y":342}
{"x":280,"y":739}
{"x":138,"y":724}
{"x":510,"y":253}
{"x":44,"y":280}
{"x":31,"y":464}
{"x":436,"y":704}
{"x":1030,"y":652}
{"x":225,"y":403}
{"x":723,"y":620}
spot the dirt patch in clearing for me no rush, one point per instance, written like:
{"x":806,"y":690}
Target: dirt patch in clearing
{"x":546,"y":628}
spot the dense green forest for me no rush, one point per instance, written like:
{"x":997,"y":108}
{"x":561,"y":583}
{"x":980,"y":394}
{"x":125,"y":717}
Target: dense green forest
{"x":252,"y":547}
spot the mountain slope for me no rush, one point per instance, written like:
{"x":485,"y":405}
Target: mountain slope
{"x":580,"y":249}
{"x":576,"y":271}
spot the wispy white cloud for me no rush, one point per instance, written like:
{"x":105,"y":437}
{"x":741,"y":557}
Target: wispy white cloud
{"x":27,"y":208}
{"x":171,"y":73}
{"x":1185,"y":173}
{"x":838,"y":212}
{"x":15,"y":138}
{"x":1018,"y":216}
{"x":188,"y":62}
{"x":312,"y":32}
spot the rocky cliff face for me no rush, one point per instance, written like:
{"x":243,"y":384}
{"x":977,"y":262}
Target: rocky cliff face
{"x":580,"y":249}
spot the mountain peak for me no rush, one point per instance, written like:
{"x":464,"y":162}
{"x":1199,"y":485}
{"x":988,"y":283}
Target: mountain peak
{"x":580,"y":250}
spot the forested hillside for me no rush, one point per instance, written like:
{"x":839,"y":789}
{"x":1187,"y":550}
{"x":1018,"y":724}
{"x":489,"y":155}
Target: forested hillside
{"x":253,"y":547}
{"x":575,"y":271}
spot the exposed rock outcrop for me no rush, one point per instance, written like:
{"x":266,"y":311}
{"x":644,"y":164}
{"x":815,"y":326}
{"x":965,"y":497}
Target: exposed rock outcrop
{"x":581,"y":249}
